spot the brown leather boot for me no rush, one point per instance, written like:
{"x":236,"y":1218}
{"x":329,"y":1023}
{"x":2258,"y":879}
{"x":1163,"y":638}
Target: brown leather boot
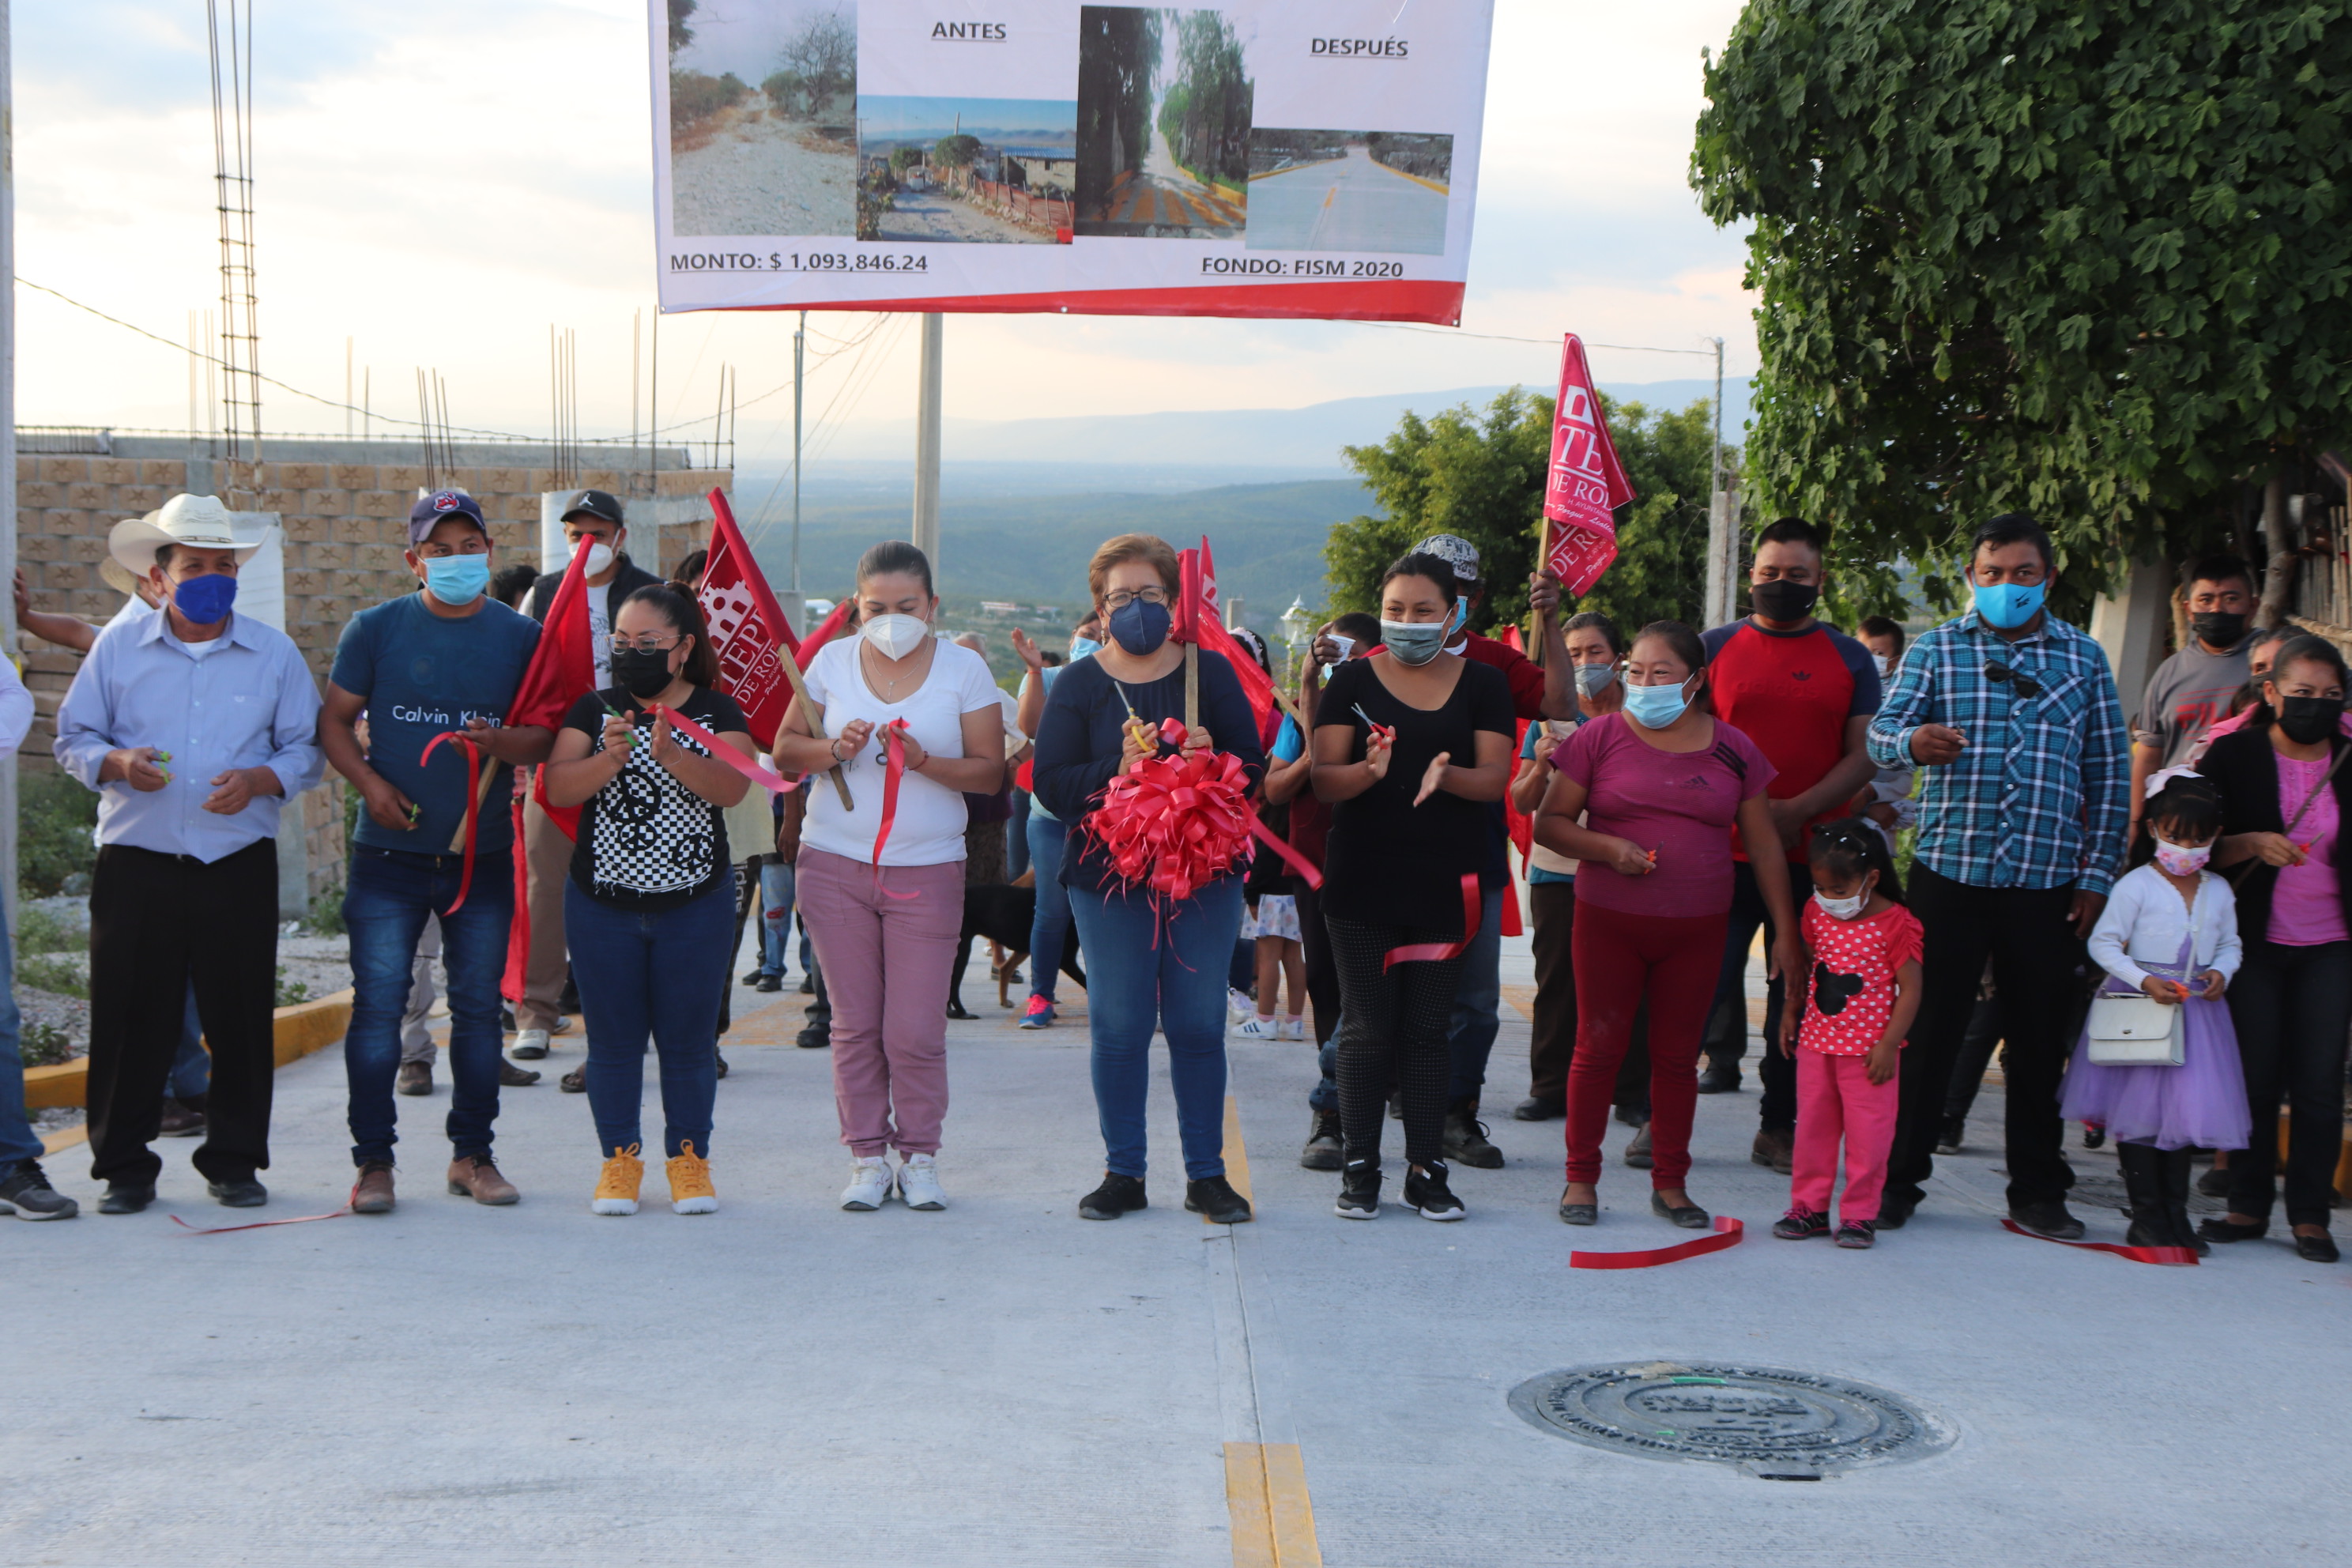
{"x":371,"y":1194}
{"x":474,"y":1176}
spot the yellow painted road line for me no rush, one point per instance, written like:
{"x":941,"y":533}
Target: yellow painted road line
{"x":1265,"y":1500}
{"x":1236,"y":1156}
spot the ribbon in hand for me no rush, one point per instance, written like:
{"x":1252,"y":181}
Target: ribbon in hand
{"x":473,"y":783}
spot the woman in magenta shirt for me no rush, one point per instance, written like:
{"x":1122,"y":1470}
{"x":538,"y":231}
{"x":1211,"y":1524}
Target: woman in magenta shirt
{"x":1660,"y":783}
{"x":2283,"y":802}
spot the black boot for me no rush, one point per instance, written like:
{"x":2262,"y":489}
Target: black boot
{"x":1465,"y":1137}
{"x":2144,"y":1182}
{"x":2175,"y":1163}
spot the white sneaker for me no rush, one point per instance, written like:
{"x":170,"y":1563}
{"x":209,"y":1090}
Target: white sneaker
{"x":869,"y":1184}
{"x":1294,"y":1028}
{"x":1239,"y":1006}
{"x":918,"y":1184}
{"x":1254,"y":1027}
{"x":530,"y":1044}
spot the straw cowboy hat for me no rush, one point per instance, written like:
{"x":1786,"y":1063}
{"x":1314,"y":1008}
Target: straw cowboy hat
{"x":199,"y":520}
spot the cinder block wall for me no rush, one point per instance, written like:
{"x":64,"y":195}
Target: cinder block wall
{"x":346,"y":528}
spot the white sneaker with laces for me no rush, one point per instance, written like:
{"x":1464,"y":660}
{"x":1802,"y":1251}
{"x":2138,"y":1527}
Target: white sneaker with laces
{"x":529,"y":1046}
{"x":918,"y":1184}
{"x":869,"y":1184}
{"x":1239,"y":1006}
{"x":1254,"y":1027}
{"x":1294,"y":1027}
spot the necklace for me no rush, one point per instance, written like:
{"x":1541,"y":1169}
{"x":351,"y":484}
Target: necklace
{"x":889,"y":682}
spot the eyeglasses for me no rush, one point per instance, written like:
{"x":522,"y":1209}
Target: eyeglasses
{"x":1994,"y":671}
{"x":1120,"y":598}
{"x":646,"y":644}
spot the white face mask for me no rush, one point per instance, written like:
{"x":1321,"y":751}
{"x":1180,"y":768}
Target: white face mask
{"x":1885,"y":667}
{"x":895,"y":637}
{"x":600,"y":554}
{"x":1843,"y":909}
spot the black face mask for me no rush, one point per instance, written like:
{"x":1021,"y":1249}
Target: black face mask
{"x":2308,"y":721}
{"x":2217,"y":628}
{"x":641,"y":672}
{"x":1781,"y":600}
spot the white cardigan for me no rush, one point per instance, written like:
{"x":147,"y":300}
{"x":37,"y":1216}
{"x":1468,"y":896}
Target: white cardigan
{"x":2145,"y":920}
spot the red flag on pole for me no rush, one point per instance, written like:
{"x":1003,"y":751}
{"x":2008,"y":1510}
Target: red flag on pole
{"x":748,"y":628}
{"x":824,"y":634}
{"x":1198,"y":621}
{"x":563,"y":670}
{"x":1585,"y":484}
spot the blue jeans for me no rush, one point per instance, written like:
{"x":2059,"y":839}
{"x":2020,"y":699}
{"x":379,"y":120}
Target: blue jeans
{"x":192,"y":1069}
{"x":775,"y":917}
{"x":1143,"y":970}
{"x":18,"y":1143}
{"x":1049,"y":931}
{"x":1477,"y":1002}
{"x":1325,"y":1095}
{"x":653,"y":976}
{"x":391,"y":894}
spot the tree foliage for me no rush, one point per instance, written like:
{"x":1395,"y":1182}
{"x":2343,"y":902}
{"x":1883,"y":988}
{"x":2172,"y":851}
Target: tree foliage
{"x":2089,"y":260}
{"x":681,"y":29}
{"x":1118,"y":50}
{"x":822,"y":52}
{"x":955,"y":151}
{"x":1206,"y":114}
{"x":1480,"y":474}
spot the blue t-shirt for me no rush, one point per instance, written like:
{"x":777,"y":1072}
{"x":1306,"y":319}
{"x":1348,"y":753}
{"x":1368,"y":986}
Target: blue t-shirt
{"x":1289,"y":746}
{"x":422,"y":675}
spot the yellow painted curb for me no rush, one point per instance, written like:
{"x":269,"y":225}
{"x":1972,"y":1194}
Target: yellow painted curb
{"x":1272,"y":1520}
{"x":1417,"y":180}
{"x":305,"y":1027}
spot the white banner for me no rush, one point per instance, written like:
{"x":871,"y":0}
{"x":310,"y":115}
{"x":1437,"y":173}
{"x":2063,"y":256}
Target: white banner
{"x":1264,"y":158}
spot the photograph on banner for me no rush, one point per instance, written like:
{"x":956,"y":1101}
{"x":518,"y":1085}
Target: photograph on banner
{"x":1164,"y":124}
{"x":962,"y":170}
{"x":763,"y":117}
{"x":1381,"y":191}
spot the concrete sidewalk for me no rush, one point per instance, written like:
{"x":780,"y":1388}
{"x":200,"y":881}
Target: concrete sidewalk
{"x":785,"y":1384}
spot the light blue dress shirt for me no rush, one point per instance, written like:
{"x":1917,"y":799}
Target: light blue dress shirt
{"x":248,"y":702}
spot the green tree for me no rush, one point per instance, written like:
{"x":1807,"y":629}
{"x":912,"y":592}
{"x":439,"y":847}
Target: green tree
{"x":1207,"y":118}
{"x":680,"y":32}
{"x":1480,"y":474}
{"x":1118,"y":50}
{"x":2088,"y":260}
{"x":956,"y":152}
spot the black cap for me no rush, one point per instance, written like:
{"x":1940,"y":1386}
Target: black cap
{"x":595,"y":503}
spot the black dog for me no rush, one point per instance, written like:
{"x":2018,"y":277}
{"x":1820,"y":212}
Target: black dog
{"x":1004,"y":915}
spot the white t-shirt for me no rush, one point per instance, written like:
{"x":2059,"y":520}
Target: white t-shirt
{"x":600,"y":632}
{"x":928,"y":830}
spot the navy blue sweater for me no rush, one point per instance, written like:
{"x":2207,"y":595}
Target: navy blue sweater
{"x":1082,"y":733}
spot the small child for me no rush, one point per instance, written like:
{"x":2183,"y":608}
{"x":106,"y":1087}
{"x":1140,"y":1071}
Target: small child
{"x":2169,"y":930}
{"x":1862,"y":993}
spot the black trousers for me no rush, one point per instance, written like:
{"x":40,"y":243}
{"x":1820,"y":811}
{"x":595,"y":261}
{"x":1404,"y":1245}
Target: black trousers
{"x":1776,"y":1070}
{"x":157,"y":923}
{"x":2036,"y":960}
{"x":1551,"y":1044}
{"x":1976,"y":1046}
{"x":2290,"y":1006}
{"x":1322,"y":974}
{"x":1395,"y":1032}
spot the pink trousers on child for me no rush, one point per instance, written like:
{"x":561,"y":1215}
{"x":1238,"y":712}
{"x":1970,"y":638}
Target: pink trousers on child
{"x":886,"y":958}
{"x":1836,"y":1099}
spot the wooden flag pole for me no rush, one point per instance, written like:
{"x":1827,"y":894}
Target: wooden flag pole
{"x":1191,"y":686}
{"x":807,"y":705}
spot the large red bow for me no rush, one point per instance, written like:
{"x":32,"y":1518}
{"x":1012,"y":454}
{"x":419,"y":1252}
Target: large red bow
{"x":1173,"y":825}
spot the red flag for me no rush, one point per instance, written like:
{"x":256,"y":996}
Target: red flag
{"x":825,"y":629}
{"x":563,"y":670}
{"x":1585,"y":483}
{"x":1208,"y":600}
{"x":747,"y":627}
{"x":1200,"y":624}
{"x":1184,"y":620}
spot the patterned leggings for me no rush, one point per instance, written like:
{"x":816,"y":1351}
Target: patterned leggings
{"x":1392,"y":1028}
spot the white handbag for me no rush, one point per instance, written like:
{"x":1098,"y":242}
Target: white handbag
{"x":2136,"y":1032}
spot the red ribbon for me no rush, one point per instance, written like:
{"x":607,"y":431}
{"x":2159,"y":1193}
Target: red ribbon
{"x":1173,"y":825}
{"x":266,"y":1224}
{"x":1727,"y":1234}
{"x":1435,"y":952}
{"x":748,"y":767}
{"x":2173,"y":1256}
{"x":1299,"y":863}
{"x":894,"y":770}
{"x":473,"y":782}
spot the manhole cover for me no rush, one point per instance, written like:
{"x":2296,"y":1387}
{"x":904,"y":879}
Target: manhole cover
{"x":1777,"y":1423}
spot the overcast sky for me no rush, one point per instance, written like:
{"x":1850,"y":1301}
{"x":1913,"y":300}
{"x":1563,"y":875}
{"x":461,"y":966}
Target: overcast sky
{"x":440,"y":181}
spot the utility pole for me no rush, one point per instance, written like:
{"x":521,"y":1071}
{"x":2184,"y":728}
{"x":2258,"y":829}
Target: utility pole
{"x":800,"y":372}
{"x":7,"y":439}
{"x":1722,"y":522}
{"x":927,"y":446}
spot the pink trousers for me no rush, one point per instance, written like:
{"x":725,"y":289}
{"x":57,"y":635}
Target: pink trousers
{"x":1836,"y":1101}
{"x":886,"y":961}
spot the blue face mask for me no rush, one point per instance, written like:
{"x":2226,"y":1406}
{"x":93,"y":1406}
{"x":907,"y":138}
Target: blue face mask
{"x":1461,"y":616}
{"x":2008,"y":605}
{"x":1414,"y":642}
{"x":1592,"y":679}
{"x":205,"y":600}
{"x":458,"y":579}
{"x":1654,"y":707}
{"x":1139,"y":627}
{"x":1082,"y":647}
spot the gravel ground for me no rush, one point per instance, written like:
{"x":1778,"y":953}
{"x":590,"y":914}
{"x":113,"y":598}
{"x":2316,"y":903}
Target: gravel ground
{"x":765,"y":177}
{"x":935,"y":216}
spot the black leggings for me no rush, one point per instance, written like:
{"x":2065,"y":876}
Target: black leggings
{"x":1395,"y":1026}
{"x":2290,"y":1006}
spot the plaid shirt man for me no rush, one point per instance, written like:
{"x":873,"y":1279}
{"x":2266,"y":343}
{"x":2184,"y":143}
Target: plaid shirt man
{"x":2041,"y":796}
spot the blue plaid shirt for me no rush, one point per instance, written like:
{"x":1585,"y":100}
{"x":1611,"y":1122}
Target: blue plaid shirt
{"x":2041,"y":796}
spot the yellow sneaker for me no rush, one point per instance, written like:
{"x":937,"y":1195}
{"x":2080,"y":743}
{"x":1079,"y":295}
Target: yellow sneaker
{"x":690,"y":1191}
{"x":616,"y":1189}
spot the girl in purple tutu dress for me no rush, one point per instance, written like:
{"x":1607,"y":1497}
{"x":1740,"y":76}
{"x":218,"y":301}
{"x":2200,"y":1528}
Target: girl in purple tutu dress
{"x":2170,"y":930}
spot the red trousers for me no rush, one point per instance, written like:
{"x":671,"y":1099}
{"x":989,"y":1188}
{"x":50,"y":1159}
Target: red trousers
{"x":1836,"y":1101}
{"x":1623,"y":960}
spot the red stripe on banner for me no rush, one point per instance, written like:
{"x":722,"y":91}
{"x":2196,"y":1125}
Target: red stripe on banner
{"x":1298,"y":862}
{"x":262,"y":1224}
{"x":2169,"y":1256}
{"x":1727,"y":1234}
{"x":1435,"y":952}
{"x":1435,"y":301}
{"x":473,"y":784}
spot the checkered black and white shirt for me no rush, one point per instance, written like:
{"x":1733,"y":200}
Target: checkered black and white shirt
{"x":2041,"y":796}
{"x":647,"y":842}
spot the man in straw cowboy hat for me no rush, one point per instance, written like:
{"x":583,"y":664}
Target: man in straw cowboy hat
{"x":193,"y":724}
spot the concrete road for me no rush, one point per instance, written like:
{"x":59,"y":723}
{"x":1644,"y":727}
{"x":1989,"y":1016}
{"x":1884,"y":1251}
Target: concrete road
{"x":1004,"y":1383}
{"x":1346,"y":204}
{"x":1164,"y":201}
